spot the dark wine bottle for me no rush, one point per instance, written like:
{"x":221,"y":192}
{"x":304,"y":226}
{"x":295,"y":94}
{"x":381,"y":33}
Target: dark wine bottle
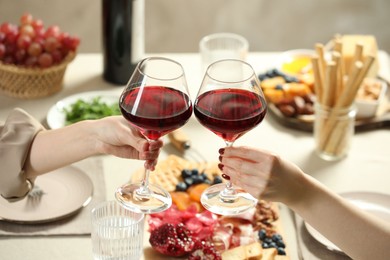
{"x":123,"y":38}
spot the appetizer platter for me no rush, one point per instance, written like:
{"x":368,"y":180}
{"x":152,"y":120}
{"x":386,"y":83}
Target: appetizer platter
{"x":290,"y":87}
{"x":188,"y":231}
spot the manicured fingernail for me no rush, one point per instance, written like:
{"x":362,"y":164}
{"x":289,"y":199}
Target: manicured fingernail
{"x":221,"y":151}
{"x":220,"y":166}
{"x":226,"y":177}
{"x":220,"y":158}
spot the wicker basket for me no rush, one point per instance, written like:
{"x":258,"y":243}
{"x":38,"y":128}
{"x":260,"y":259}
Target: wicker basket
{"x":29,"y":83}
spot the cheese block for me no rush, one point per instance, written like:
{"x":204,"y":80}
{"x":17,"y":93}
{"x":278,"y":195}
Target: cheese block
{"x":252,"y":251}
{"x":369,"y":47}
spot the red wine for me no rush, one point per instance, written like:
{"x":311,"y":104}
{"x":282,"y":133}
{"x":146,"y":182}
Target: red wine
{"x":155,"y":110}
{"x":230,"y":113}
{"x":118,"y":20}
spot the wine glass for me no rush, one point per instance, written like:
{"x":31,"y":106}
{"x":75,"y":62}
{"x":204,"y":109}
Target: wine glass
{"x":156,"y":102}
{"x":229,"y":103}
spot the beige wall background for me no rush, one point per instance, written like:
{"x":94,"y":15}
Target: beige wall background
{"x":178,"y":25}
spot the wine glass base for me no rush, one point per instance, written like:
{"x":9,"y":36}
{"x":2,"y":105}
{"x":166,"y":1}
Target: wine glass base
{"x":156,"y":200}
{"x":233,"y":205}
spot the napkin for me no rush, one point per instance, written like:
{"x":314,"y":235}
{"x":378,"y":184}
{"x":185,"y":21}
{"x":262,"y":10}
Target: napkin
{"x":78,"y":223}
{"x":309,"y":248}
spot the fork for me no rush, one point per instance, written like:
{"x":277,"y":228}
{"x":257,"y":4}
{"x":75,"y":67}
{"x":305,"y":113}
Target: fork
{"x":36,"y":192}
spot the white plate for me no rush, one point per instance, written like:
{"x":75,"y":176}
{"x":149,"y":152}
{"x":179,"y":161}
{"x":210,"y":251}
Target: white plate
{"x":56,"y":116}
{"x":66,"y":191}
{"x":377,"y":204}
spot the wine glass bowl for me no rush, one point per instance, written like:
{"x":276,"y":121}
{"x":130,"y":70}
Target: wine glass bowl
{"x":229,"y":103}
{"x":156,"y":102}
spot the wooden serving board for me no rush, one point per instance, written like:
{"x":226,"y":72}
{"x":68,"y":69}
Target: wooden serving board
{"x":166,"y":175}
{"x":305,"y":123}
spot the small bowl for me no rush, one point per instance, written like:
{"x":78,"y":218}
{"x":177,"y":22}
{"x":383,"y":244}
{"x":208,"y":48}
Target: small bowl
{"x":295,"y":61}
{"x":367,"y":104}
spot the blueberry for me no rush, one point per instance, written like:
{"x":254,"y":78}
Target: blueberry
{"x":194,"y":172}
{"x":181,"y":186}
{"x":275,"y":237}
{"x":290,"y":79}
{"x":197,"y":179}
{"x":280,"y":243}
{"x":262,"y":234}
{"x":204,"y":176}
{"x":207,"y":181}
{"x":262,"y":76}
{"x":186,"y":173}
{"x":279,"y":87}
{"x":268,"y":240}
{"x":273,"y":244}
{"x":217,"y":179}
{"x":281,"y":251}
{"x":189,"y":181}
{"x":265,"y":245}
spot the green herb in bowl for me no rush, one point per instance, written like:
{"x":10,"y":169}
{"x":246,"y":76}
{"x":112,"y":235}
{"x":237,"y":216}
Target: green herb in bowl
{"x":87,"y":110}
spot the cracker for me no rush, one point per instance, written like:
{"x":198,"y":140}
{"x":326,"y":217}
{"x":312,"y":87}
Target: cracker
{"x":168,"y":172}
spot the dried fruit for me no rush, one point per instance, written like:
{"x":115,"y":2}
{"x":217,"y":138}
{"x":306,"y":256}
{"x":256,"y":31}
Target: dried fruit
{"x":196,"y":191}
{"x":181,"y":199}
{"x":172,"y":240}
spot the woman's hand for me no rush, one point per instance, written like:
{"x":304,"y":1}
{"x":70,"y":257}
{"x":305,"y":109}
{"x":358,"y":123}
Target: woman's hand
{"x":261,"y":173}
{"x":115,"y":136}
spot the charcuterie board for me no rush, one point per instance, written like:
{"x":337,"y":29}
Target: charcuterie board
{"x":265,"y":217}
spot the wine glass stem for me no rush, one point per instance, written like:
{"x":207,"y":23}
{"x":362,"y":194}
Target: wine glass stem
{"x":228,"y":194}
{"x":144,"y":191}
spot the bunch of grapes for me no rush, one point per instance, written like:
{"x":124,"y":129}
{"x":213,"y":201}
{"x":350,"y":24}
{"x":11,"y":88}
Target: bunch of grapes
{"x":30,"y":44}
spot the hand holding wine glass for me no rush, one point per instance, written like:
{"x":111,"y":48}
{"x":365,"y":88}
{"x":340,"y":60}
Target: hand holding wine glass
{"x":229,"y":103}
{"x":156,"y":102}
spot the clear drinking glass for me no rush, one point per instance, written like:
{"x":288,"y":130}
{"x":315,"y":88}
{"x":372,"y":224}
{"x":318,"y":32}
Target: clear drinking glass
{"x":219,"y":46}
{"x":230,"y":102}
{"x":117,"y":233}
{"x":156,"y":101}
{"x":333,"y":131}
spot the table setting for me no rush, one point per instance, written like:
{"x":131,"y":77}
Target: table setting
{"x":103,"y":186}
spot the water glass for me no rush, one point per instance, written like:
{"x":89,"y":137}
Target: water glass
{"x":221,"y":46}
{"x":117,"y":233}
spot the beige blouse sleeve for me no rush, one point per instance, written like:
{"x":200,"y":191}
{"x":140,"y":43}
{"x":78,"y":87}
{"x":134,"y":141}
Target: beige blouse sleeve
{"x":16,"y":136}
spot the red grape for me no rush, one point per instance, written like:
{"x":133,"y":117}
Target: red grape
{"x":37,"y":24}
{"x":57,"y":56}
{"x":51,"y":44}
{"x":7,"y":28}
{"x":2,"y":50}
{"x":31,"y":45}
{"x":20,"y":55}
{"x":35,"y":49}
{"x":27,"y":30}
{"x":53,"y":30}
{"x":31,"y":61}
{"x":26,"y":19}
{"x":2,"y":37}
{"x":23,"y":41}
{"x":45,"y":60}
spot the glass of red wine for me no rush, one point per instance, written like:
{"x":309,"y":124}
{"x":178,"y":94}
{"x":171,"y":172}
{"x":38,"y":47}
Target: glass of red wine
{"x":230,"y":102}
{"x":156,"y":102}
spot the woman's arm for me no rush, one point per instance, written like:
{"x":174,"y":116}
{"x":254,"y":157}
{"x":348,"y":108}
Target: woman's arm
{"x":267,"y":176}
{"x":52,"y":149}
